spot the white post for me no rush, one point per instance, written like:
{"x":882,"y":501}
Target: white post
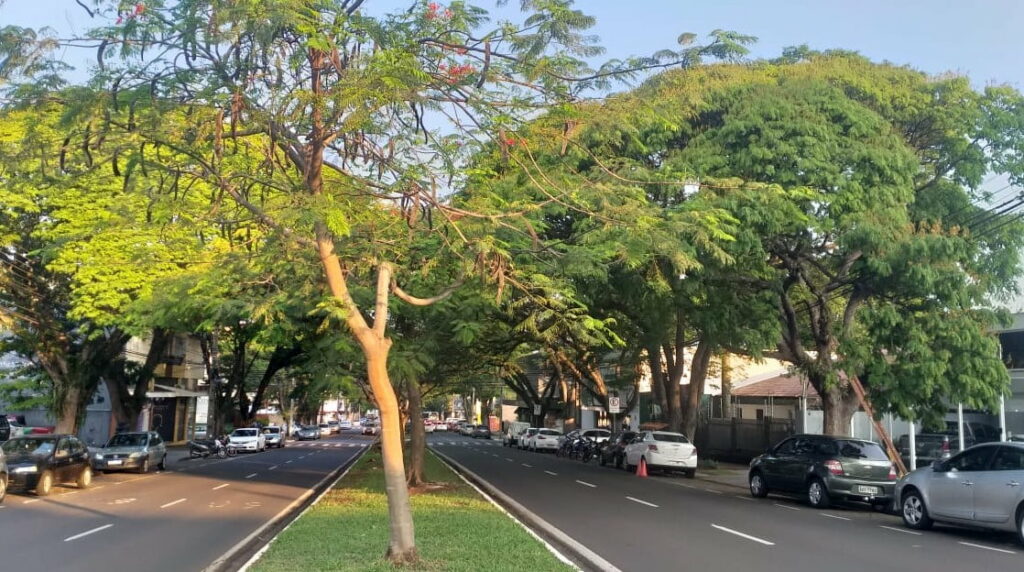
{"x":1002,"y":418}
{"x":960,"y":423}
{"x":912,"y":436}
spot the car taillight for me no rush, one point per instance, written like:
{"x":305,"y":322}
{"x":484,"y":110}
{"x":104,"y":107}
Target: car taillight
{"x":834,"y":467}
{"x":693,"y":453}
{"x":652,"y":448}
{"x":892,"y":472}
{"x":540,"y":437}
{"x":945,"y":447}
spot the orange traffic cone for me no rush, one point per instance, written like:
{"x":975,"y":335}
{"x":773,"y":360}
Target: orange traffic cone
{"x":641,"y":469}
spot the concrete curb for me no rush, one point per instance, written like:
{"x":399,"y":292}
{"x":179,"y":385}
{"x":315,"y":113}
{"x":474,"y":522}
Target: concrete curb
{"x":253,"y":545}
{"x":584,"y":557}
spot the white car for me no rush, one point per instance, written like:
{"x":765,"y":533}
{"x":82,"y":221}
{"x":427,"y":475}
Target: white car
{"x":523,"y":439}
{"x":544,"y":440}
{"x":345,"y":425}
{"x":428,"y":426}
{"x":325,"y":429}
{"x":662,"y":450}
{"x":248,"y":440}
{"x":440,"y":426}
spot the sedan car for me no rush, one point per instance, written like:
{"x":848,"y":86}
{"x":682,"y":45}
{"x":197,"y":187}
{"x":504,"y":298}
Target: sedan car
{"x":428,"y":426}
{"x":371,"y":428}
{"x":325,"y":429}
{"x":466,"y":429}
{"x":613,"y":450}
{"x":662,"y":450}
{"x":274,"y":436}
{"x":544,"y":440}
{"x":248,"y":439}
{"x":135,"y":451}
{"x":38,"y":462}
{"x":308,"y":433}
{"x":481,"y":432}
{"x":345,"y":425}
{"x":823,"y":468}
{"x":334,"y":426}
{"x":525,"y":436}
{"x":983,"y":486}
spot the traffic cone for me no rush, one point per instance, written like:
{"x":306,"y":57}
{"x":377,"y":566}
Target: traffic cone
{"x":641,"y":469}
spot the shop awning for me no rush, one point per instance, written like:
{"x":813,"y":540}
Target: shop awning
{"x":167,"y":391}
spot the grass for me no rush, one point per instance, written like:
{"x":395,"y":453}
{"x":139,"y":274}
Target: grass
{"x":456,"y":529}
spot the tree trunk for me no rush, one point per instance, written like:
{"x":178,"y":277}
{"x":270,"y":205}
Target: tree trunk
{"x":657,"y":379}
{"x":839,"y":404}
{"x":67,"y":411}
{"x":698,"y":375}
{"x":418,"y":444}
{"x":726,"y":386}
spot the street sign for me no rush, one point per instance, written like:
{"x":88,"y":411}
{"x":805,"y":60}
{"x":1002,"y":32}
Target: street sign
{"x":536,"y":409}
{"x":613,"y":405}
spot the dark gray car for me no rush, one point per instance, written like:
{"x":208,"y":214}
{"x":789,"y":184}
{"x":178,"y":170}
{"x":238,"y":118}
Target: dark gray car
{"x":132,"y":451}
{"x":823,"y":468}
{"x":3,"y":476}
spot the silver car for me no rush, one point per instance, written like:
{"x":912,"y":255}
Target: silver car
{"x":135,"y":451}
{"x":981,"y":487}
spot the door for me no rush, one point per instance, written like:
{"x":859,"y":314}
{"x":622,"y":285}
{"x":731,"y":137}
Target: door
{"x":634,"y":448}
{"x":778,"y":462}
{"x":79,"y":459}
{"x":157,"y":448}
{"x":62,"y":461}
{"x":997,"y":490}
{"x":951,"y":488}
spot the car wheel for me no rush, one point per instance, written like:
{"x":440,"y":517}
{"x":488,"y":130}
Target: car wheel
{"x":915,"y":514}
{"x":817,"y":494}
{"x":163,"y":463}
{"x":601,"y":461}
{"x":3,"y":488}
{"x":84,"y":478}
{"x":1020,"y":522}
{"x":45,"y":484}
{"x":758,"y":488}
{"x":618,"y":461}
{"x":144,"y":467}
{"x":690,"y":473}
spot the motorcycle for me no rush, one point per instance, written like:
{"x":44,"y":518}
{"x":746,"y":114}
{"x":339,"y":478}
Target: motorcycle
{"x":221,"y":448}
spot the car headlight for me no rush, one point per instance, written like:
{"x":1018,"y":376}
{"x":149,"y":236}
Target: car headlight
{"x":26,"y":469}
{"x":98,"y":456}
{"x":135,"y":455}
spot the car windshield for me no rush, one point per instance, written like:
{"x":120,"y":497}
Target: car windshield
{"x":244,"y":433}
{"x":861,"y":450}
{"x":670,"y":437}
{"x":127,"y":440}
{"x":39,"y":447}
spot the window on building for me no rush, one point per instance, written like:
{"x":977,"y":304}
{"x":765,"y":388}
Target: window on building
{"x":1013,"y":349}
{"x":760,"y":414}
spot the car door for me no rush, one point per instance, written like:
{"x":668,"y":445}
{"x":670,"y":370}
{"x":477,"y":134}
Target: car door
{"x":772,"y":464}
{"x":951,"y":486}
{"x":62,"y":461}
{"x":634,"y":448}
{"x":997,"y":490}
{"x":157,"y":448}
{"x":79,"y":459}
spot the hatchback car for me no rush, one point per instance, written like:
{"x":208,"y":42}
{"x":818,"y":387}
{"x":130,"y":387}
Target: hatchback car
{"x":613,"y":451}
{"x":345,"y":425}
{"x":308,"y":433}
{"x":325,"y":429}
{"x":371,"y":428}
{"x":481,"y":432}
{"x":248,"y":439}
{"x":40,"y":462}
{"x":136,"y":451}
{"x":525,"y":436}
{"x":825,"y":468}
{"x":274,"y":436}
{"x":982,"y":486}
{"x":544,"y":440}
{"x":334,"y":426}
{"x":662,"y":450}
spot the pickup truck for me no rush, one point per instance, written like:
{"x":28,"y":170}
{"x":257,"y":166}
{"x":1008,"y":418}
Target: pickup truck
{"x":936,"y":446}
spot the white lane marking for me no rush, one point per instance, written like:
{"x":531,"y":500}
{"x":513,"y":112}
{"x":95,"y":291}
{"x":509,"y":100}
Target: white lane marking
{"x":251,"y":476}
{"x":713,"y":491}
{"x":509,"y":460}
{"x":273,"y":467}
{"x":218,"y":487}
{"x":172,"y":503}
{"x":586,"y":484}
{"x":687,"y":486}
{"x":30,"y":501}
{"x":987,"y":547}
{"x":785,"y":506}
{"x":552,"y":474}
{"x":528,"y":466}
{"x":742,"y":535}
{"x":642,"y":502}
{"x":287,"y":462}
{"x":833,"y":516}
{"x":901,"y":530}
{"x":744,"y":497}
{"x":88,"y":532}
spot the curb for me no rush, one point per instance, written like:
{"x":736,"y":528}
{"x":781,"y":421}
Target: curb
{"x":584,"y":557}
{"x":718,"y":482}
{"x":249,"y":549}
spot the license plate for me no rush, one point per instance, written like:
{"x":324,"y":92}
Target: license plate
{"x":867,"y":490}
{"x":114,"y":462}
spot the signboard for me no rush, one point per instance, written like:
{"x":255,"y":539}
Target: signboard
{"x":536,"y":409}
{"x":613,"y":405}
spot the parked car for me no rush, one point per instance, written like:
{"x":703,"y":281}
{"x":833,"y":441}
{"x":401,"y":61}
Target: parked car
{"x":248,"y":439}
{"x":428,"y":426}
{"x":136,"y":451}
{"x":466,"y":429}
{"x":983,"y":486}
{"x":440,"y":425}
{"x":3,"y":476}
{"x":38,"y":462}
{"x":5,"y":428}
{"x":308,"y":433}
{"x":274,"y":436}
{"x":510,"y":438}
{"x":334,"y":426}
{"x":345,"y":425}
{"x":525,"y":436}
{"x":544,"y":440}
{"x":941,"y":445}
{"x":662,"y":450}
{"x":613,"y":450}
{"x":325,"y":429}
{"x":824,"y":468}
{"x":371,"y":428}
{"x":481,"y":432}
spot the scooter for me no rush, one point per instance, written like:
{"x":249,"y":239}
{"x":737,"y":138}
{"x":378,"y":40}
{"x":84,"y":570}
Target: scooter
{"x":206,"y":447}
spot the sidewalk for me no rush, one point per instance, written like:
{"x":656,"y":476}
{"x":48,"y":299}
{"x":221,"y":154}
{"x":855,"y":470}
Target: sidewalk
{"x":730,"y":474}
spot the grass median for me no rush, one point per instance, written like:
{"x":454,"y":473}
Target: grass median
{"x":456,"y":529}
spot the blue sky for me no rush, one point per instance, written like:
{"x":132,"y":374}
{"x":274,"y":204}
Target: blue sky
{"x":979,"y":38}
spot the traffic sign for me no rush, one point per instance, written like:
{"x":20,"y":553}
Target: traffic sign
{"x":613,"y":405}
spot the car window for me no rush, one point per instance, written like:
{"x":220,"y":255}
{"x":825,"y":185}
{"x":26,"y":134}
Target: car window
{"x":822,"y":447}
{"x":628,"y":436}
{"x":670,"y":437}
{"x":861,"y":450}
{"x":787,"y":447}
{"x":40,"y":447}
{"x":64,"y":447}
{"x":549,"y":432}
{"x":77,"y":446}
{"x":1009,"y":459}
{"x":971,"y":460}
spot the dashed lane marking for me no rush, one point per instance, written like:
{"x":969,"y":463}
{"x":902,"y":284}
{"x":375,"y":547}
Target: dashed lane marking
{"x":552,"y":474}
{"x":901,"y":530}
{"x":787,"y":507}
{"x":172,"y":503}
{"x":972,"y":545}
{"x":743,"y":535}
{"x":88,"y":532}
{"x":643,"y":502}
{"x":251,"y":476}
{"x":713,"y":491}
{"x":218,"y":487}
{"x":835,"y":516}
{"x":528,"y":466}
{"x":586,"y":484}
{"x":744,"y":497}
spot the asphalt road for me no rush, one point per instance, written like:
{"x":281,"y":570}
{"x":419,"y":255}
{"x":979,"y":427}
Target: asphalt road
{"x":674,"y":523}
{"x":181,"y":519}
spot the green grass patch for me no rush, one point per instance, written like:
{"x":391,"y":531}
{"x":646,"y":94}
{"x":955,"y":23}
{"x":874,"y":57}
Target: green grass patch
{"x":456,"y":529}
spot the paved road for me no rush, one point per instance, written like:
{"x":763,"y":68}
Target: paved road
{"x":674,"y":523}
{"x":180,"y":519}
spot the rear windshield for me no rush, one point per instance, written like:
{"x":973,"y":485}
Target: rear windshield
{"x":549,"y":432}
{"x":671,"y":437}
{"x":274,"y":430}
{"x":861,"y":450}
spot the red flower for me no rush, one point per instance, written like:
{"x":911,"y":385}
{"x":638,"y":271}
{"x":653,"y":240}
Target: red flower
{"x":140,"y":8}
{"x":119,"y":20}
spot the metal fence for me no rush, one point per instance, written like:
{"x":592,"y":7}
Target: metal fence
{"x":739,"y":440}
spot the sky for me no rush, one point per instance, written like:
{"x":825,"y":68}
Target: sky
{"x":980,"y":38}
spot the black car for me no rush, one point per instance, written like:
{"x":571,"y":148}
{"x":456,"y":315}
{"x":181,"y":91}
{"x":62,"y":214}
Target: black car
{"x":481,"y":432}
{"x":3,"y":476}
{"x":5,"y":428}
{"x":38,"y":462}
{"x":823,"y":468}
{"x":613,"y":451}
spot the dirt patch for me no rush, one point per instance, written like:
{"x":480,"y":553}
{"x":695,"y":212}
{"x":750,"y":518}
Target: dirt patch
{"x":431,"y":488}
